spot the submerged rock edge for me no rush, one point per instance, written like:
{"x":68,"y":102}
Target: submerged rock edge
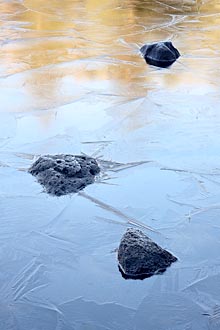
{"x":160,"y":54}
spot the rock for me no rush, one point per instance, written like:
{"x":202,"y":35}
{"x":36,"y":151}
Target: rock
{"x":139,"y":257}
{"x":64,"y":174}
{"x":161,"y":54}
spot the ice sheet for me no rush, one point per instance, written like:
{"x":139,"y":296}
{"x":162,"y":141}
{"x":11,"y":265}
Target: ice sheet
{"x":72,"y":80}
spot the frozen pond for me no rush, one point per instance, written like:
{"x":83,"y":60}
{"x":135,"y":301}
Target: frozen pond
{"x":72,"y":81}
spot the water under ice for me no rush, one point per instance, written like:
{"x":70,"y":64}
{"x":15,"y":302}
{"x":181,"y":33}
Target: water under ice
{"x":72,"y":81}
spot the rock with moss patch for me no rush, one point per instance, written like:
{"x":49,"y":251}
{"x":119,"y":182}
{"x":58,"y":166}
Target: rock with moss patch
{"x":64,"y":174}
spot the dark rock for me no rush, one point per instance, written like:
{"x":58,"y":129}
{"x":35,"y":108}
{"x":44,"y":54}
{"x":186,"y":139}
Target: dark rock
{"x":161,"y":54}
{"x":64,"y":174}
{"x":139,"y":257}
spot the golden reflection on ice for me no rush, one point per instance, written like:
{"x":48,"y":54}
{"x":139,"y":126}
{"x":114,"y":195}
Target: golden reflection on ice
{"x":56,"y":52}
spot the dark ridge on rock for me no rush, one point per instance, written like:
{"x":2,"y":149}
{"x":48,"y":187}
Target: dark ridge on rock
{"x":139,"y":257}
{"x":64,"y":174}
{"x":161,"y":54}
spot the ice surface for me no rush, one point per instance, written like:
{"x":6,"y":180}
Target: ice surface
{"x":170,"y":311}
{"x":72,"y":80}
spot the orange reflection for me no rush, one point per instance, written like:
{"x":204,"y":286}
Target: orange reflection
{"x":65,"y":49}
